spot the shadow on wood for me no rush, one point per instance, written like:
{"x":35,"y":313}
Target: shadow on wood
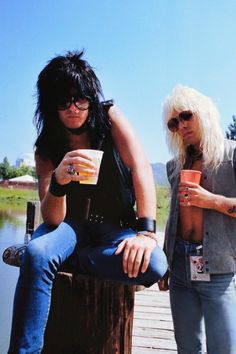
{"x":89,"y":316}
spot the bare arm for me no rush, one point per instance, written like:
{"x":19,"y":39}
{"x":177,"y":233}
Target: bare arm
{"x":52,"y":208}
{"x":225,"y":205}
{"x":136,"y":251}
{"x":200,"y":197}
{"x":132,"y":153}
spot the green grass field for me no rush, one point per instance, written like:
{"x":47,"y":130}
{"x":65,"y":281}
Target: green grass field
{"x":16,"y":198}
{"x":163,"y":204}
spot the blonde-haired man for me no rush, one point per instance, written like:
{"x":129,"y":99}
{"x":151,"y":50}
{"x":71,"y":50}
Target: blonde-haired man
{"x":200,"y":240}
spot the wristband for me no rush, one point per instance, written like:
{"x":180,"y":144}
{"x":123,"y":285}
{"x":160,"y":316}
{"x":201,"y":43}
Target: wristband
{"x":148,"y":234}
{"x":146,"y":224}
{"x":56,"y":189}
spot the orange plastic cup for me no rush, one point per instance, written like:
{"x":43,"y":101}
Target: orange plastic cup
{"x":190,"y":176}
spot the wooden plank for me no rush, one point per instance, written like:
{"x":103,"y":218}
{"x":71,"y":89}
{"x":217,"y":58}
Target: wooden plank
{"x":153,"y":302}
{"x":141,"y":350}
{"x":153,"y":326}
{"x":154,"y":333}
{"x":149,"y":309}
{"x":154,"y":343}
{"x":153,"y":311}
{"x":153,"y":319}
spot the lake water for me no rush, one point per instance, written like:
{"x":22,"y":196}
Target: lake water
{"x":12,"y":228}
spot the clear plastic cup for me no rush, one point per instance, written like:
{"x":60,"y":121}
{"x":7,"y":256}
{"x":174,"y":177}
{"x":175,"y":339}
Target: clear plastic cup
{"x":96,"y":155}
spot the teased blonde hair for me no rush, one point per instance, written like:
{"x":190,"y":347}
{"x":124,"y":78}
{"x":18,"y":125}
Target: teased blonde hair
{"x":184,"y":98}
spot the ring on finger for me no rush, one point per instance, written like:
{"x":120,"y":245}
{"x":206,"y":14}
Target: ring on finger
{"x":71,"y":169}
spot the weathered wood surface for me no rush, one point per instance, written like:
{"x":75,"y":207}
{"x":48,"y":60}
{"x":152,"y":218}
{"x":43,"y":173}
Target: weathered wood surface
{"x":152,"y":326}
{"x":89,"y":316}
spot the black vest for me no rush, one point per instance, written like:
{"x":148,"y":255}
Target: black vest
{"x":111,"y":200}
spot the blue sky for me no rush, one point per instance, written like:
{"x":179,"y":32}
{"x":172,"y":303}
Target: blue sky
{"x":140,"y":50}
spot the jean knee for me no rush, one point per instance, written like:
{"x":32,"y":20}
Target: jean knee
{"x":41,"y":230}
{"x":36,"y":258}
{"x":158,"y":263}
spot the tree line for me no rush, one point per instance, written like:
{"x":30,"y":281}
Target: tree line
{"x":7,"y":171}
{"x":231,"y":133}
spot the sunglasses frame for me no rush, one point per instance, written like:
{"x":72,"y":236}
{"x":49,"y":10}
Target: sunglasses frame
{"x":75,"y":101}
{"x":173,"y":123}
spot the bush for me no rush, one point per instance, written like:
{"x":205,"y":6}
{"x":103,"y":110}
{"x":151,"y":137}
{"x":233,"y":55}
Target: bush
{"x":163,"y":205}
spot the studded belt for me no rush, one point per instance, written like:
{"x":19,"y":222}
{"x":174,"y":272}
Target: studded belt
{"x":104,"y":219}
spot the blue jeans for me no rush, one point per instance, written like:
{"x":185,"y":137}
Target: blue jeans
{"x":90,"y":248}
{"x":196,"y":302}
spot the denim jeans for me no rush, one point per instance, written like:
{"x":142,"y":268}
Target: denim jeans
{"x":90,"y":248}
{"x":202,"y":308}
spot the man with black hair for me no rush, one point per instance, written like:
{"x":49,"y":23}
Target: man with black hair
{"x":92,"y":226}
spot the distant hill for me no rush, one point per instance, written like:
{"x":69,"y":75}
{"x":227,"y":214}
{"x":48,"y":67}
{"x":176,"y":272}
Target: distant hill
{"x":159,"y":172}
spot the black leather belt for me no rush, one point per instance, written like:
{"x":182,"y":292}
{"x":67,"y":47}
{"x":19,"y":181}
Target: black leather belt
{"x":84,"y":212}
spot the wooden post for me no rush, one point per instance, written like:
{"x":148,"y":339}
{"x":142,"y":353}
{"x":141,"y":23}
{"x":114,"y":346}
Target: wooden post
{"x":13,"y":254}
{"x":89,"y":316}
{"x":33,"y":216}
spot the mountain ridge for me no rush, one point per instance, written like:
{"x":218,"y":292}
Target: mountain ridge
{"x":159,"y":173}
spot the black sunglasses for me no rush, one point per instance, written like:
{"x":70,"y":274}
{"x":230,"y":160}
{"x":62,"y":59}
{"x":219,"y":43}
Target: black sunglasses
{"x":81,"y":103}
{"x":173,"y":123}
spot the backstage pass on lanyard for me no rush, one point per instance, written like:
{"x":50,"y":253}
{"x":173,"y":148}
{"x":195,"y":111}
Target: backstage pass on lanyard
{"x":196,"y":268}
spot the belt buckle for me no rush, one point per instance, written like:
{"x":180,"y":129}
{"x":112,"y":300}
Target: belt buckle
{"x":96,"y":218}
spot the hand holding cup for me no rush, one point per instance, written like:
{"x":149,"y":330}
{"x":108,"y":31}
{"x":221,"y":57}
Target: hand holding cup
{"x":96,"y":156}
{"x":80,"y":165}
{"x":186,"y":176}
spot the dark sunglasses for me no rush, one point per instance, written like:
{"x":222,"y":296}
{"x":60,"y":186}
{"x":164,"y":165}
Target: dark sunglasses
{"x":173,"y":123}
{"x":81,"y":103}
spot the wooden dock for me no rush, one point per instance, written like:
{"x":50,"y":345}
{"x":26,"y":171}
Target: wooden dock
{"x":153,"y":327}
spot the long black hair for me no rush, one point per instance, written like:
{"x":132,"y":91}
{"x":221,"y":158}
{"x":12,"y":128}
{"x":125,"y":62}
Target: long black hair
{"x":61,"y":76}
